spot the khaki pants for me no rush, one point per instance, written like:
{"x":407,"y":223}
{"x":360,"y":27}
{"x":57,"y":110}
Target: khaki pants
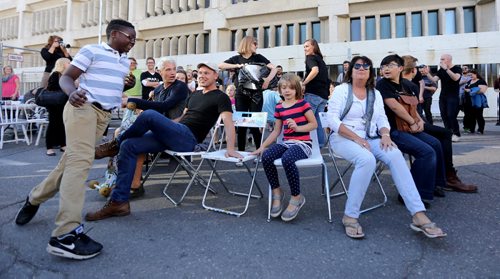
{"x":84,"y":126}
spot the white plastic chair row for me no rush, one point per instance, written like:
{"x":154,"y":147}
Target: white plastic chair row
{"x":9,"y":117}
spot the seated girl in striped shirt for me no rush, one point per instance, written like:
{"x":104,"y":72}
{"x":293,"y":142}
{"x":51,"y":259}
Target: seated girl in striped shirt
{"x":295,"y":117}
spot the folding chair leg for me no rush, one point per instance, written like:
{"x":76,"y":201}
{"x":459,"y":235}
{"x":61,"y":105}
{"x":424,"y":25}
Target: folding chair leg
{"x":326,"y":188}
{"x":383,"y":193}
{"x":248,"y":195}
{"x":150,"y":169}
{"x":193,"y":173}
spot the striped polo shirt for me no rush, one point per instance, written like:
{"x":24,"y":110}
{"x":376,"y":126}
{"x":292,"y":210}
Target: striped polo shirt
{"x":104,"y":71}
{"x":297,"y":113}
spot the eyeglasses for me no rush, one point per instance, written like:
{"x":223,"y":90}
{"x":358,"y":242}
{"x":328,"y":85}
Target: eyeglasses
{"x":132,"y":39}
{"x":358,"y":66}
{"x":389,"y":66}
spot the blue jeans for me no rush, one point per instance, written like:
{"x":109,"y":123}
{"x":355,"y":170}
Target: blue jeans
{"x":449,"y":111}
{"x":428,"y":164}
{"x":151,"y":132}
{"x":318,"y":105}
{"x":364,"y":161}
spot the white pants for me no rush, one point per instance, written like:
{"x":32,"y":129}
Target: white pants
{"x":364,"y":162}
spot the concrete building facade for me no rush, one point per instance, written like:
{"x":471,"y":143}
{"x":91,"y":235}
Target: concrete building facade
{"x":209,"y":30}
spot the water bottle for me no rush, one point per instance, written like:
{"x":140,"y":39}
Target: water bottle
{"x":21,"y":99}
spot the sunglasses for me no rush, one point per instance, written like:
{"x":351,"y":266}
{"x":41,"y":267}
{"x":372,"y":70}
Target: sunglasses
{"x":358,"y":66}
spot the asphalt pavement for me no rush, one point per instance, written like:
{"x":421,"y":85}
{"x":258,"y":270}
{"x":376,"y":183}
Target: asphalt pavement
{"x":160,"y":240}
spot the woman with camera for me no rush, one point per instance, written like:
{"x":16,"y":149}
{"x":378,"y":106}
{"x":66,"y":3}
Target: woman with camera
{"x":248,"y":99}
{"x":53,"y":50}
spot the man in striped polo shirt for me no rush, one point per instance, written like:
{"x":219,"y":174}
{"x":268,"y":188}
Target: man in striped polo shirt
{"x":103,"y":72}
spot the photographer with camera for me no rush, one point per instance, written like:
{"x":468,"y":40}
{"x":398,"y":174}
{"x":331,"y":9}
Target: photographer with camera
{"x":53,"y":50}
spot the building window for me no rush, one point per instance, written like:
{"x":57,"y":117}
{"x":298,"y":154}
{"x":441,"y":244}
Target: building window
{"x":302,"y":33}
{"x":355,"y":29}
{"x":255,"y":33}
{"x":385,"y":27}
{"x":370,"y":28}
{"x":206,"y":43}
{"x":450,"y":26}
{"x":233,"y":40}
{"x":266,"y":36}
{"x":289,"y":34}
{"x":433,"y":23}
{"x":469,"y":20}
{"x":207,"y":3}
{"x":277,"y":35}
{"x":400,"y":25}
{"x":416,"y":24}
{"x":316,"y":31}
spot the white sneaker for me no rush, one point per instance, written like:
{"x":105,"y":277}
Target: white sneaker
{"x":455,"y":138}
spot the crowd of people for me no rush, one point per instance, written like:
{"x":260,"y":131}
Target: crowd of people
{"x":369,"y":120}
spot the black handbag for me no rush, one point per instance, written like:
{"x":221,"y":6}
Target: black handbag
{"x":46,"y":98}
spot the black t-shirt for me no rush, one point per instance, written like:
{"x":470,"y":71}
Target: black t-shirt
{"x":416,"y":80}
{"x":53,"y":83}
{"x":389,"y":89}
{"x":449,"y":87}
{"x":238,"y":59}
{"x":471,"y":85}
{"x":169,"y":101}
{"x":155,"y":77}
{"x":51,"y":58}
{"x":204,"y":110}
{"x":428,"y":83}
{"x":319,"y":85}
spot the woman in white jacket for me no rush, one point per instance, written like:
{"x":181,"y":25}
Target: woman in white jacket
{"x":361,"y":135}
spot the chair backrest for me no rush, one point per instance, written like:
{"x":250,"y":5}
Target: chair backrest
{"x":323,"y":118}
{"x":9,"y":112}
{"x":250,"y":119}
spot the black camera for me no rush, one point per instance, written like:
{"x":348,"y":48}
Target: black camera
{"x":61,"y":43}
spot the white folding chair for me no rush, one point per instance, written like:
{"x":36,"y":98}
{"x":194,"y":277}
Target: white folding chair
{"x":316,"y":159}
{"x":185,"y":162}
{"x":341,"y":173}
{"x":240,"y":119}
{"x":9,"y":117}
{"x":36,"y":116}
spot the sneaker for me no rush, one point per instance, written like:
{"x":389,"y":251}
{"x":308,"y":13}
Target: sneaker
{"x":26,"y":213}
{"x":289,"y":215}
{"x":108,"y":149}
{"x":110,"y":209}
{"x":455,"y":138}
{"x":74,"y":245}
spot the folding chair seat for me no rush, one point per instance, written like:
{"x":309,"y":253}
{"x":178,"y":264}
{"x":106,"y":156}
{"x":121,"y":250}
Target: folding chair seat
{"x":240,"y":119}
{"x":9,"y":117}
{"x":316,"y":159}
{"x":341,"y":173}
{"x":186,"y":162}
{"x":37,"y":116}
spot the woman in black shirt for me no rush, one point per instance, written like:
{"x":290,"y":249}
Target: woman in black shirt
{"x":475,"y":86}
{"x":52,"y":51}
{"x":56,"y":134}
{"x":248,"y":99}
{"x":316,"y":83}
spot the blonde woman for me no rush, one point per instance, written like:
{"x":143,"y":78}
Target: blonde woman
{"x":56,"y":134}
{"x":248,"y":99}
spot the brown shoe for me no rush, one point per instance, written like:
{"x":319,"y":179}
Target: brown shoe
{"x":453,"y":183}
{"x":108,"y":149}
{"x":110,"y":209}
